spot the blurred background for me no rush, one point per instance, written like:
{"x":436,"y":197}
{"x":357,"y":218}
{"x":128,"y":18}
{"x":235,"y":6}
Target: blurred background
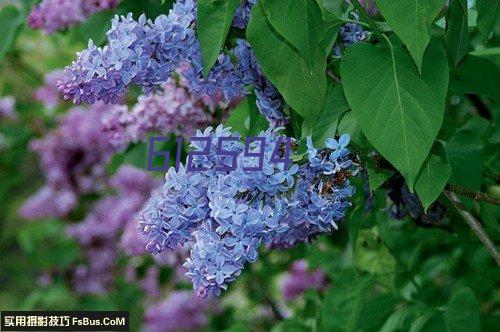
{"x":69,"y":204}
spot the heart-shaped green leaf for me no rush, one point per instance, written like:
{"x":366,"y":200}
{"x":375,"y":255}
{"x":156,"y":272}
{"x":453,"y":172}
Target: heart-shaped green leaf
{"x":399,"y":111}
{"x":432,"y":180}
{"x":303,"y":86}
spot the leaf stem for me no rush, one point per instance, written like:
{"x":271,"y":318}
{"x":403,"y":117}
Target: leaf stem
{"x":364,"y":14}
{"x":475,"y":195}
{"x":475,"y":226}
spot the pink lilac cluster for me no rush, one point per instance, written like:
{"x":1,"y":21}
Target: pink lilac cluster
{"x":299,"y":279}
{"x":73,"y":159}
{"x":171,"y":110}
{"x":181,"y":311}
{"x":54,"y":15}
{"x":48,"y":94}
{"x":7,"y":108}
{"x":99,"y":234}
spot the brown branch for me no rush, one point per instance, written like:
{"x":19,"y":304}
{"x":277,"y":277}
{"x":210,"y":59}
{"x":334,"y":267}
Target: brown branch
{"x":476,"y":227}
{"x":475,"y":195}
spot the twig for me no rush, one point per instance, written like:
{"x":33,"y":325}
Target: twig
{"x":475,"y":195}
{"x":362,"y":11}
{"x":476,"y":227}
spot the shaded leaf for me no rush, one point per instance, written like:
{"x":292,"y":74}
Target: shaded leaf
{"x":300,"y":22}
{"x":432,"y":180}
{"x":213,"y":22}
{"x":411,"y":21}
{"x":488,"y":13}
{"x":476,"y":75}
{"x":327,"y":122}
{"x":462,"y":312}
{"x":303,"y":88}
{"x":457,"y":30}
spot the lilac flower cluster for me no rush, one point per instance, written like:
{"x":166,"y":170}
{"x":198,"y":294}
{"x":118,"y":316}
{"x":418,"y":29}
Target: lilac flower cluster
{"x":7,"y":108}
{"x":181,"y":311}
{"x":73,"y":159}
{"x":99,"y":234}
{"x":224,"y":217}
{"x":352,"y":33}
{"x":54,"y":15}
{"x":174,"y":110}
{"x":298,"y":280}
{"x":148,"y":53}
{"x":404,"y":203}
{"x":49,"y":94}
{"x":269,"y":100}
{"x":242,"y":15}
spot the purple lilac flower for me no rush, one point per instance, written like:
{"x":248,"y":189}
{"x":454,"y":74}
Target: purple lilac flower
{"x":99,"y":234}
{"x":147,"y":53}
{"x":54,"y":15}
{"x":242,"y":15}
{"x":7,"y":108}
{"x":404,"y":203}
{"x":352,"y":33}
{"x":73,"y":159}
{"x":181,"y":311}
{"x":298,"y":280}
{"x":225,"y":216}
{"x":48,"y":94}
{"x":269,"y":101}
{"x":174,"y":110}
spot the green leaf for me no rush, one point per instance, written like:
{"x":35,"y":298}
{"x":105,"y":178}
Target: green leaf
{"x":432,"y":180}
{"x":344,"y":302}
{"x":300,"y":22}
{"x":371,"y":255}
{"x":398,"y":111}
{"x":332,"y":24}
{"x":246,"y":118}
{"x":400,"y":320}
{"x":95,"y":27}
{"x":457,"y":30}
{"x":10,"y":20}
{"x":476,"y":75}
{"x":349,"y":125}
{"x":377,"y":176}
{"x":302,"y":87}
{"x":428,"y":322}
{"x":213,"y":23}
{"x":462,"y":312}
{"x":327,"y":122}
{"x":332,"y":6}
{"x":488,"y":14}
{"x":466,"y":156}
{"x":492,"y":54}
{"x":411,"y":21}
